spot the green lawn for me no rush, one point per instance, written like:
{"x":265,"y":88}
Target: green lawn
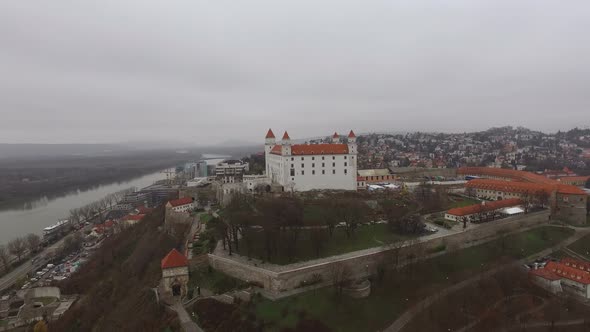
{"x":462,"y":201}
{"x":391,"y":296}
{"x":205,"y":217}
{"x":213,"y":280}
{"x":582,"y":246}
{"x":366,"y":236}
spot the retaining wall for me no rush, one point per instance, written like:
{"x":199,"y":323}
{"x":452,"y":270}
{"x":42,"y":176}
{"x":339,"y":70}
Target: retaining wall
{"x":277,"y":279}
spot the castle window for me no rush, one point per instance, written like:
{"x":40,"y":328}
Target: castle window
{"x":313,"y":172}
{"x":333,"y":158}
{"x":302,"y":172}
{"x":292,"y":158}
{"x":312,"y":158}
{"x":344,"y":157}
{"x":323,"y":171}
{"x":312,"y":164}
{"x":333,"y":164}
{"x":323,"y":164}
{"x":292,"y":172}
{"x":345,"y":171}
{"x":323,"y":158}
{"x":333,"y":171}
{"x":302,"y":158}
{"x":302,"y":165}
{"x":345,"y":164}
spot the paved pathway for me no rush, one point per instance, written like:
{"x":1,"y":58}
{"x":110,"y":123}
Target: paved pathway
{"x":416,"y":309}
{"x":187,"y":323}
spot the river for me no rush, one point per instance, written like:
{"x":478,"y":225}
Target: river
{"x":33,"y":216}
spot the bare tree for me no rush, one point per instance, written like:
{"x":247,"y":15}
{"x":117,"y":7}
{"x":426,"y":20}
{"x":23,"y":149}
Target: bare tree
{"x":351,"y":212}
{"x":17,"y":247}
{"x":33,"y":242}
{"x":318,"y":239}
{"x":5,"y":258}
{"x":340,"y":275}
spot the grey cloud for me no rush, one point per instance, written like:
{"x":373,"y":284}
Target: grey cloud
{"x":111,"y":71}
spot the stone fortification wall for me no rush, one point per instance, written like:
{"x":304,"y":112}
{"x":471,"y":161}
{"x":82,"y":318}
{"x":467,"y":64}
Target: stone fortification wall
{"x":277,"y":279}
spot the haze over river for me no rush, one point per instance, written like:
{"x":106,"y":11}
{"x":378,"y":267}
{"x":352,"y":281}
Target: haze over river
{"x":32,"y":216}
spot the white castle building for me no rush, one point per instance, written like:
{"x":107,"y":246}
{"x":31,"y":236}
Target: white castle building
{"x":303,"y":167}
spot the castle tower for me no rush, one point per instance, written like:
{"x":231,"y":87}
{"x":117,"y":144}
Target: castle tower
{"x":286,"y":142}
{"x":269,"y":143}
{"x":352,"y":148}
{"x":335,"y":138}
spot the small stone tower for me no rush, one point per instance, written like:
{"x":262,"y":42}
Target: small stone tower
{"x":175,"y":273}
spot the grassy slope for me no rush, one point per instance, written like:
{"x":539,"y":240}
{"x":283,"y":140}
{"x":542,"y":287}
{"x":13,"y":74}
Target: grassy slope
{"x":115,"y":284}
{"x":388,"y":298}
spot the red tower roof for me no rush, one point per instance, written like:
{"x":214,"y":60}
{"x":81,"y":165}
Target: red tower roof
{"x":335,"y":135}
{"x":270,"y":134}
{"x":286,"y":135}
{"x":351,"y":134}
{"x":174,"y":259}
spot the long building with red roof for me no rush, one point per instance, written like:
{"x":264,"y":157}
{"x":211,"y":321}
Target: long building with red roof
{"x":485,"y":209}
{"x":567,"y":201}
{"x":304,"y":167}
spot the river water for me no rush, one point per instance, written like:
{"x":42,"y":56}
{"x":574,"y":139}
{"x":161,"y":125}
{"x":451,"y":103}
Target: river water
{"x":33,"y":216}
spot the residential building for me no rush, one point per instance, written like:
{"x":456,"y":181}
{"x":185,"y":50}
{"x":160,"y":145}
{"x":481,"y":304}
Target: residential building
{"x":568,"y":275}
{"x":567,"y":202}
{"x":184,"y":204}
{"x":231,"y":171}
{"x":303,"y":167}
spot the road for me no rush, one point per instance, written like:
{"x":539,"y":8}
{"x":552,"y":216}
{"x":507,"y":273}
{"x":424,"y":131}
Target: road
{"x":27,"y":267}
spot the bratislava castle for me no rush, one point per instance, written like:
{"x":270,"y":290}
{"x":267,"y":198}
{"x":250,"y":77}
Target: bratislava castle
{"x":303,"y":167}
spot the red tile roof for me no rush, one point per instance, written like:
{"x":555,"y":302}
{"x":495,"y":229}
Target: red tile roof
{"x":174,"y":259}
{"x":270,"y":134}
{"x":286,"y":135}
{"x":181,"y":201}
{"x":568,"y":272}
{"x":351,"y":134}
{"x":526,"y":178}
{"x":312,"y":149}
{"x":489,"y":206}
{"x":545,"y":274}
{"x":575,"y":263}
{"x":144,"y":210}
{"x":277,"y":149}
{"x":134,"y":217}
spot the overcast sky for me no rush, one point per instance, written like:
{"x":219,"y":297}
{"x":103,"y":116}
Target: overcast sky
{"x":217,"y":70}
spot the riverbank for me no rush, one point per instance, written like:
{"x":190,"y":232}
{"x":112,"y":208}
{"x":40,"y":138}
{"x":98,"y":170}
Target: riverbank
{"x":36,"y":215}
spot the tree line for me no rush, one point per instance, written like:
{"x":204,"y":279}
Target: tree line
{"x":19,"y":247}
{"x":88,"y":211}
{"x":280,"y":223}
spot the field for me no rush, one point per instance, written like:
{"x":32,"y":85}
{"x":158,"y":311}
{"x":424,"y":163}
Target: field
{"x":366,"y":236}
{"x":582,"y":247}
{"x":461,"y":202}
{"x":396,"y":291}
